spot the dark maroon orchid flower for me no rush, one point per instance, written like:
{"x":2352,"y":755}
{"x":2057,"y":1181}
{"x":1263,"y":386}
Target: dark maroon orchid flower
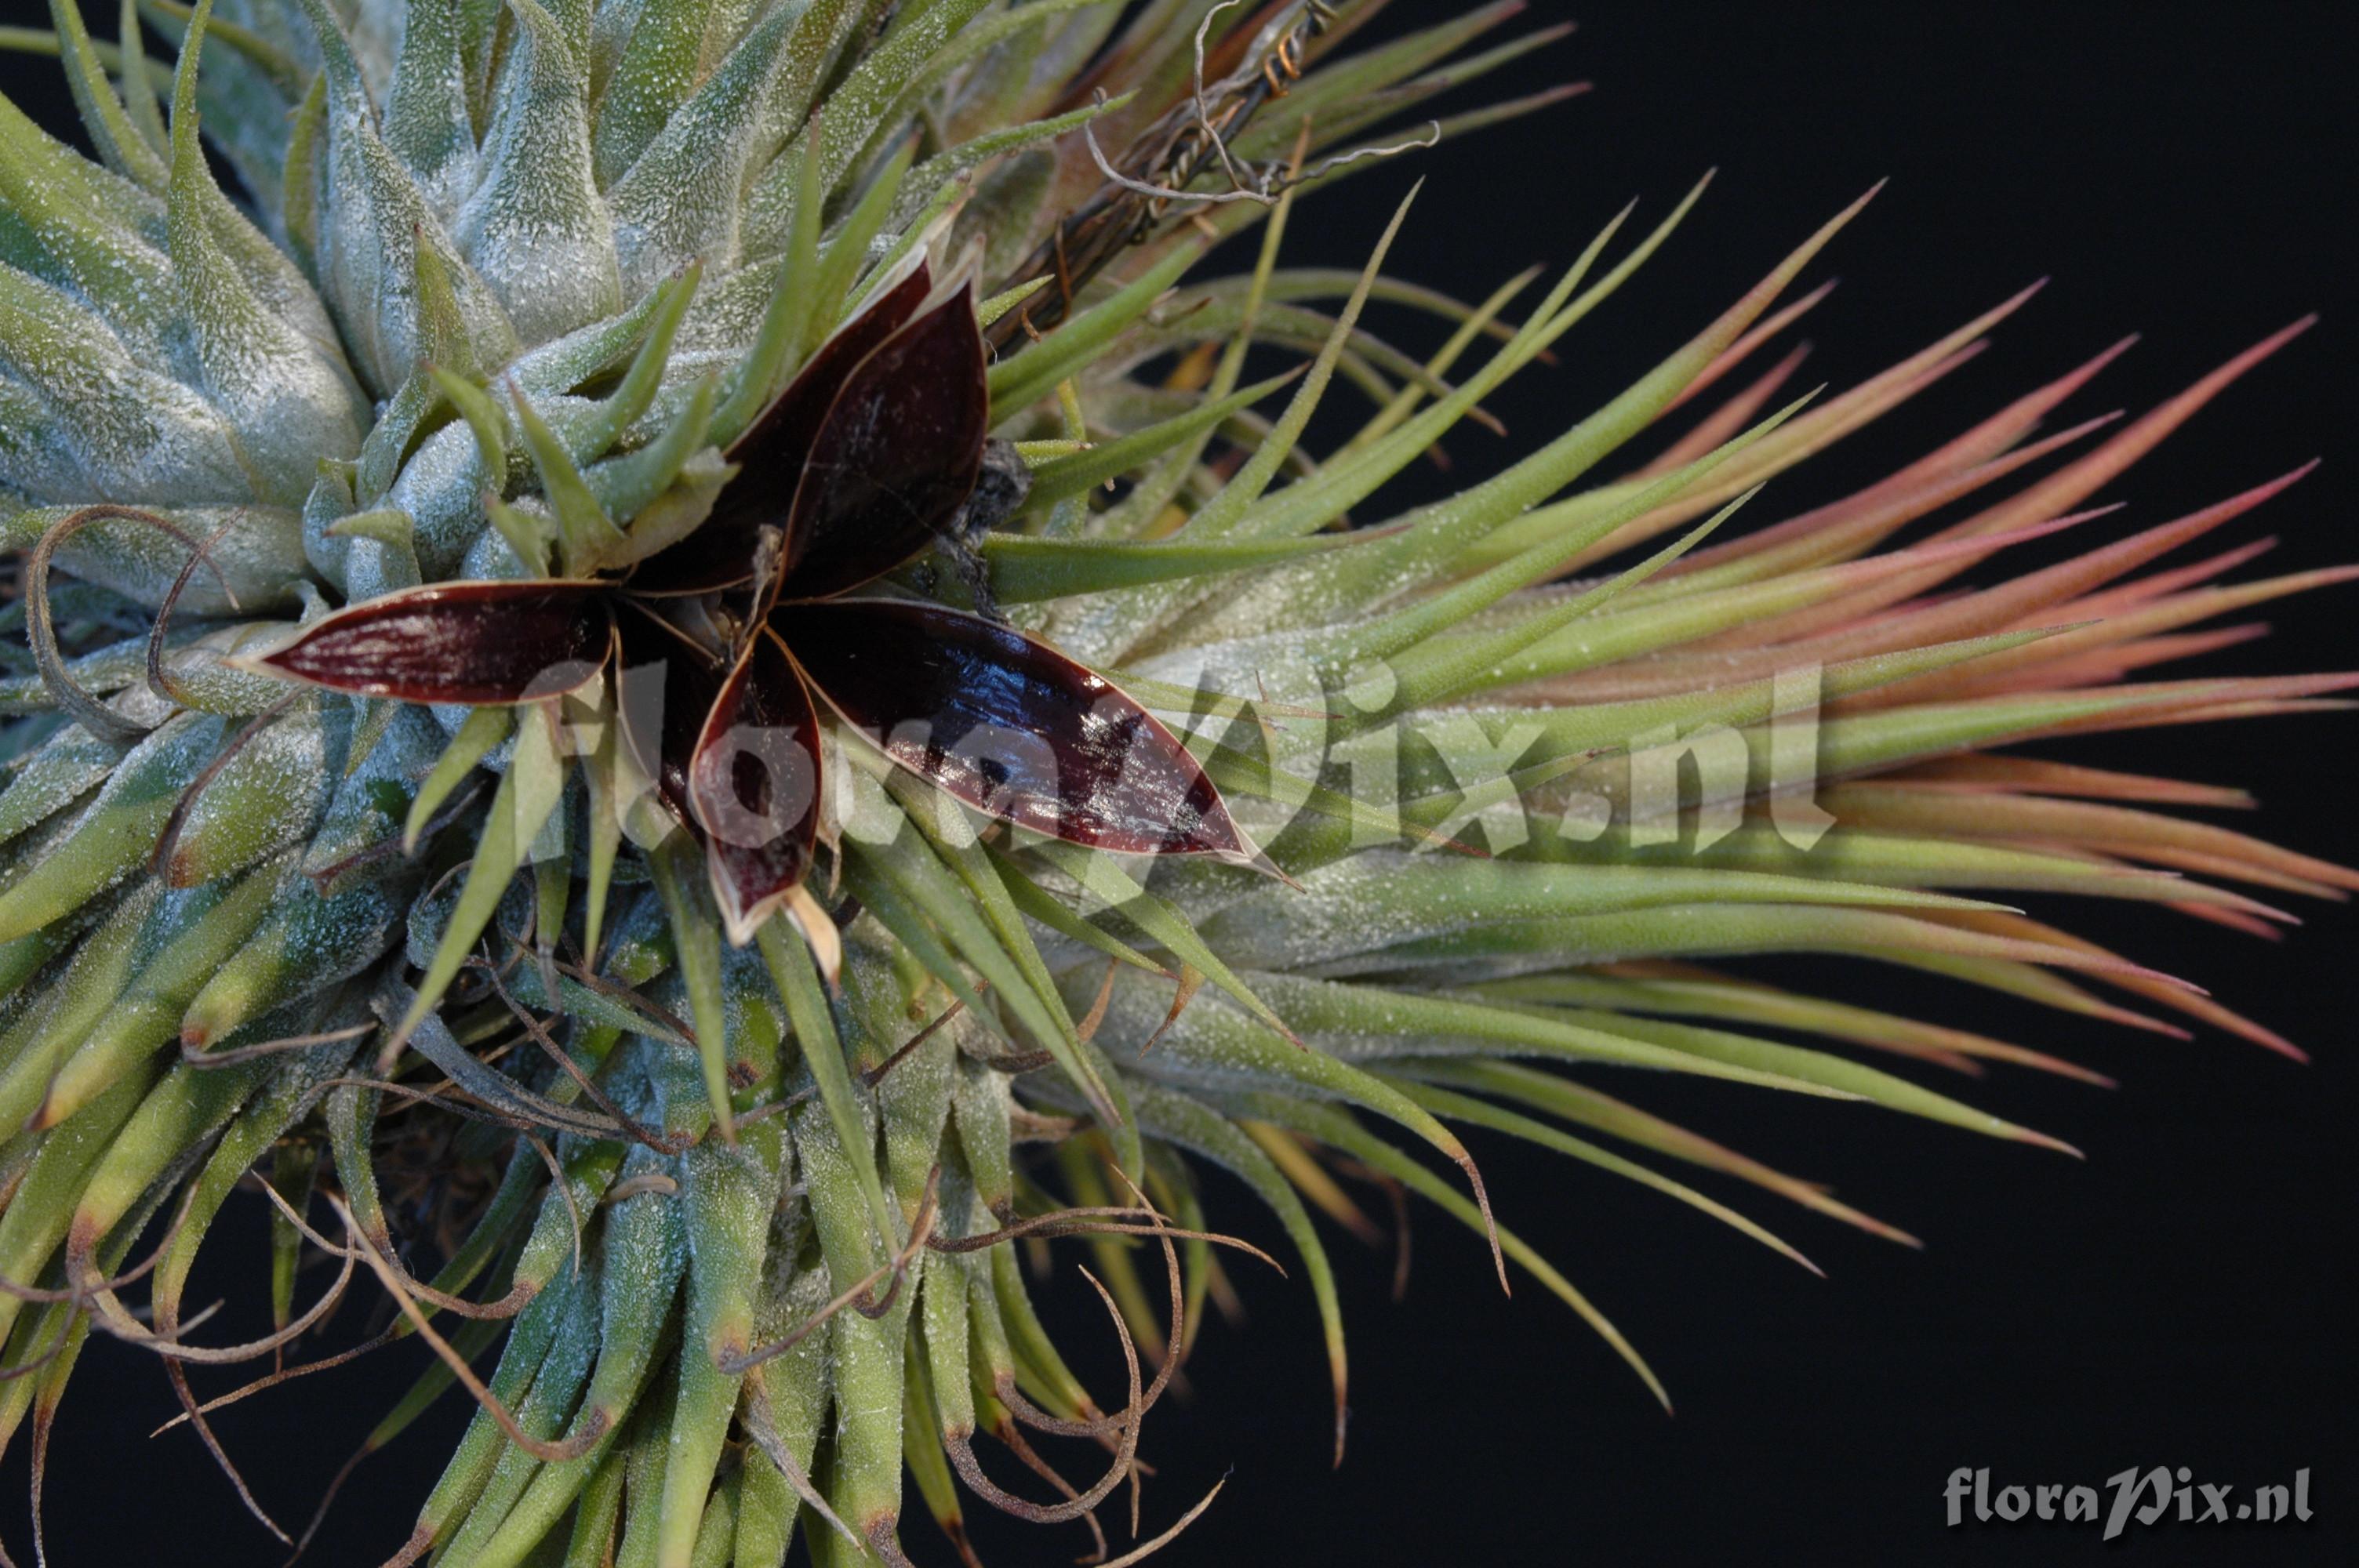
{"x":723,"y":644}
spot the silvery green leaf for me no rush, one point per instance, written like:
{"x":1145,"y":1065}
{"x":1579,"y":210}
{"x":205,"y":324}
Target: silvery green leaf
{"x":361,"y":565}
{"x":441,"y":487}
{"x":1349,"y":915}
{"x":769,"y":199}
{"x":290,"y":405}
{"x":67,"y":765}
{"x":109,"y":126}
{"x":683,"y":194}
{"x":37,"y":454}
{"x":198,"y":676}
{"x":942,"y":41}
{"x":247,"y":99}
{"x":133,"y":433}
{"x":725,"y":317}
{"x":665,"y":488}
{"x":259,"y":553}
{"x":372,"y":30}
{"x":882,"y":91}
{"x":74,"y":181}
{"x":927,"y":180}
{"x":610,"y":27}
{"x":563,"y":364}
{"x":111,"y":837}
{"x":374,"y":223}
{"x":50,"y":228}
{"x":657,"y":70}
{"x":266,"y":799}
{"x":426,"y":121}
{"x":492,"y":558}
{"x":1021,"y":77}
{"x":372,"y":801}
{"x":535,"y":229}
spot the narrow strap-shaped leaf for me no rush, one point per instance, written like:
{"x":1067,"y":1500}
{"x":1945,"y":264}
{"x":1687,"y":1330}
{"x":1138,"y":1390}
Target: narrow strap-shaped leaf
{"x":940,"y":823}
{"x":1193,"y":1125}
{"x":431,"y":1039}
{"x":1035,"y":903}
{"x":102,"y":115}
{"x":1578,"y":1103}
{"x":1219,"y":1041}
{"x":1236,"y":498}
{"x":1025,"y":570}
{"x":481,"y":730}
{"x":528,"y":793}
{"x":587,"y":538}
{"x":681,"y":196}
{"x":1106,"y":884}
{"x":1338,"y":1130}
{"x":1068,"y":476}
{"x":866,"y":1351}
{"x":895,"y":853}
{"x":636,"y":1321}
{"x":730,"y":1195}
{"x":1466,"y":1107}
{"x":1806,"y":1066}
{"x":1025,"y":378}
{"x":791,"y":970}
{"x":675,"y":864}
{"x":192,"y":937}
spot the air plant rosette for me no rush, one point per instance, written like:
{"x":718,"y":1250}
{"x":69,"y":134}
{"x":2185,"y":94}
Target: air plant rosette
{"x":675,"y":692}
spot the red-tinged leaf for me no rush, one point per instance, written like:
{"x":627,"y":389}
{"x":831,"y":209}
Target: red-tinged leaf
{"x":2161,"y":988}
{"x":2201,"y":846}
{"x":478,"y":642}
{"x":2106,"y":662}
{"x":2149,"y":705}
{"x":2106,"y":644}
{"x":1736,"y":354}
{"x":1849,"y":528}
{"x":1727,"y":421}
{"x":895,"y":456}
{"x":2127,"y":596}
{"x":2069,"y":486}
{"x":753,"y":785}
{"x":1010,"y":726}
{"x":1976,"y":773}
{"x":666,"y":687}
{"x":2069,"y":580}
{"x":1986,"y":452}
{"x":1854,"y":625}
{"x":1758,"y":644}
{"x":771,"y":453}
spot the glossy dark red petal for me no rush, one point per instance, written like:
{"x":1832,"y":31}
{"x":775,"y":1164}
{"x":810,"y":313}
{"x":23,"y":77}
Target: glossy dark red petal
{"x":1010,"y":726}
{"x":666,"y":687}
{"x":476,"y":643}
{"x":753,"y":785}
{"x":895,"y":456}
{"x":771,"y":454}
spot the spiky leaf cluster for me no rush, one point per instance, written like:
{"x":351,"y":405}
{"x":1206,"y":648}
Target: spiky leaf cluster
{"x":503,"y":285}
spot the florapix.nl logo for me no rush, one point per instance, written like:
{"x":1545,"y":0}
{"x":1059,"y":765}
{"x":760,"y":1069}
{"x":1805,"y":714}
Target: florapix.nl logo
{"x":2162,"y":1495}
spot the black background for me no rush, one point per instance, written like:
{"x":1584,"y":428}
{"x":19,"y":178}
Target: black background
{"x":2181,"y":169}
